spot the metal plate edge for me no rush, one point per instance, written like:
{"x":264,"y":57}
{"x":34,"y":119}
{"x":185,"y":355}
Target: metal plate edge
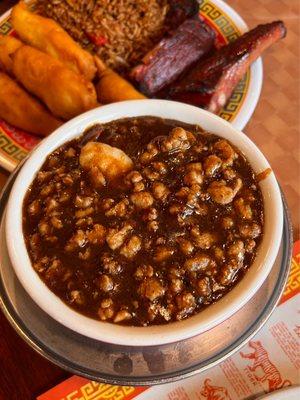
{"x":35,"y":343}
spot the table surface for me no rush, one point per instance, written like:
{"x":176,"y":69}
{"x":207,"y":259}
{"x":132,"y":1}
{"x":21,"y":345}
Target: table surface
{"x":274,"y":127}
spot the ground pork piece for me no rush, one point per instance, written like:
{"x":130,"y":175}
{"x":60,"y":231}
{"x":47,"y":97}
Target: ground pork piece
{"x":203,"y":240}
{"x":43,"y":176}
{"x":51,"y":204}
{"x":119,"y":210}
{"x":144,"y":271}
{"x":41,"y":265}
{"x":228,"y":272}
{"x":166,"y":312}
{"x":122,"y":315}
{"x":225,"y":151}
{"x":194,"y":174}
{"x":106,"y":310}
{"x":160,"y":167}
{"x":155,"y":309}
{"x":142,"y":200}
{"x":152,"y":289}
{"x":211,"y":165}
{"x":132,"y":178}
{"x":223,"y":194}
{"x":68,"y":180}
{"x":54,"y":272}
{"x":203,"y":287}
{"x":107,"y":203}
{"x":150,"y":215}
{"x":161,"y":240}
{"x":219,"y":254}
{"x":227,"y":222}
{"x":150,"y":174}
{"x":34,"y":242}
{"x":82,"y":213}
{"x":186,"y":304}
{"x":163,"y":253}
{"x":106,"y":303}
{"x":160,"y":191}
{"x":186,"y":246}
{"x":77,"y":241}
{"x":176,"y":285}
{"x":76,"y":296}
{"x":149,"y":154}
{"x":243,"y":208}
{"x":250,"y":245}
{"x":152,"y":226}
{"x":64,"y":197}
{"x":191,"y":194}
{"x":183,"y":192}
{"x":132,"y":247}
{"x":34,"y":208}
{"x":46,"y":190}
{"x":97,"y":234}
{"x":70,"y":153}
{"x":56,"y":222}
{"x":44,"y":228}
{"x":86,"y":254}
{"x":251,"y":231}
{"x":138,"y":187}
{"x":116,"y":237}
{"x":106,"y":283}
{"x":83,"y":202}
{"x":236,"y":250}
{"x":176,"y":272}
{"x":199,"y":262}
{"x":178,"y":139}
{"x":110,"y":161}
{"x":84,"y":222}
{"x":229,"y":174}
{"x":110,"y":265}
{"x":176,"y":209}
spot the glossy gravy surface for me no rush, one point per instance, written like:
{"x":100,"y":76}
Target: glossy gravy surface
{"x":159,"y":242}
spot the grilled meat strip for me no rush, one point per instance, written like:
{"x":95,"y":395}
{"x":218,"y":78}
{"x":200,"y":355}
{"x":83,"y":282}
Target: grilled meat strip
{"x":173,"y":55}
{"x":211,"y":82}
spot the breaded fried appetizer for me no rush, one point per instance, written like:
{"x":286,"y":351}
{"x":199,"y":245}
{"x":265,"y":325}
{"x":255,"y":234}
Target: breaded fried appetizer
{"x":112,"y":87}
{"x":18,"y":108}
{"x":8,"y":45}
{"x":49,"y":37}
{"x":64,"y":92}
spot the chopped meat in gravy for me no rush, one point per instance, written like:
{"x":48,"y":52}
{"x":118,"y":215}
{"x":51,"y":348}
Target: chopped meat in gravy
{"x":143,"y":221}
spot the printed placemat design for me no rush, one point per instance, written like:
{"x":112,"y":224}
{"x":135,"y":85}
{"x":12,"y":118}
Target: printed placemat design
{"x":77,"y":388}
{"x":269,"y":361}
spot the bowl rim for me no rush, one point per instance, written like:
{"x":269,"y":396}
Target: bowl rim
{"x":151,"y":335}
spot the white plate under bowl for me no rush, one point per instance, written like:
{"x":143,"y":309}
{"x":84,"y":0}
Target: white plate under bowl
{"x":15,"y":144}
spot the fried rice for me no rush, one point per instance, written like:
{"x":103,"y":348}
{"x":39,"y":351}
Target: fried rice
{"x":121,"y":32}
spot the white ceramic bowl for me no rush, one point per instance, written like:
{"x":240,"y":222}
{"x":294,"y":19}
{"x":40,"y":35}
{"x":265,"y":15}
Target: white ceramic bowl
{"x":153,"y":335}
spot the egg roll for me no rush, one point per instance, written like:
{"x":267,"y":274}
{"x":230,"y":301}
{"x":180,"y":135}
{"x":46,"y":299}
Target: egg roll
{"x":112,"y":87}
{"x":18,"y":108}
{"x":46,"y":35}
{"x":64,"y":92}
{"x":8,"y":45}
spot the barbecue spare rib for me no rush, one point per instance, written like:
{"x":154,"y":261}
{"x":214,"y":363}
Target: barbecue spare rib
{"x":210,"y":83}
